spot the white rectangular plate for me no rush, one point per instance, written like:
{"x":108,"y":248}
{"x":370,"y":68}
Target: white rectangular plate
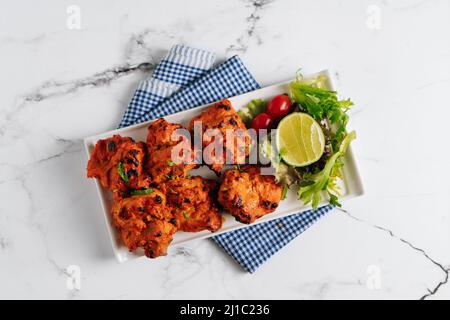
{"x":352,"y":181}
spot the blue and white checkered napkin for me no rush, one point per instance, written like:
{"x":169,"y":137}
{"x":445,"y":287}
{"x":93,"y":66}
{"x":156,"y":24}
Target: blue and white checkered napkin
{"x":185,"y":79}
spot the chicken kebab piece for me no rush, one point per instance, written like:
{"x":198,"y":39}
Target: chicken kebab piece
{"x":192,"y":203}
{"x":144,"y":221}
{"x":118,"y":163}
{"x":170,"y":155}
{"x":249,"y":195}
{"x":219,"y":124}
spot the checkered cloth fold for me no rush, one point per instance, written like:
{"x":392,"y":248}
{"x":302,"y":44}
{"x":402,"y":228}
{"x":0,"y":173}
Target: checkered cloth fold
{"x":185,"y":79}
{"x":182,"y":66}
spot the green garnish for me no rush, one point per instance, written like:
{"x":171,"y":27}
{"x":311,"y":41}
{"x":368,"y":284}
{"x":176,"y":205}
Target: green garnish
{"x":142,"y":192}
{"x":281,"y":153}
{"x":170,"y":163}
{"x":185,"y":214}
{"x":325,"y":180}
{"x":121,"y":171}
{"x":284,"y":174}
{"x":167,"y":176}
{"x":238,"y":167}
{"x":322,"y":104}
{"x":334,"y":200}
{"x":284,"y":193}
{"x":251,"y":110}
{"x":305,"y":183}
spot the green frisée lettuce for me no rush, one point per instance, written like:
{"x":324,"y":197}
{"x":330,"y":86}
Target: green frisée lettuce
{"x":284,"y":174}
{"x":322,"y":104}
{"x":320,"y":81}
{"x":326,"y":180}
{"x":321,"y":178}
{"x":251,"y":110}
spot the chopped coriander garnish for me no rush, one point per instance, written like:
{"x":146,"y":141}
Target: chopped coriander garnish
{"x":121,"y":171}
{"x":170,"y":163}
{"x":142,"y":192}
{"x":185,"y":214}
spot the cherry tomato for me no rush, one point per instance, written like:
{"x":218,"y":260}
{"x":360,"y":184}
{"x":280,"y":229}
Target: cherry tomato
{"x":279,"y":106}
{"x":262,"y":121}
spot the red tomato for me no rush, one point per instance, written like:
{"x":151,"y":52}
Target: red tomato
{"x":262,"y":121}
{"x":279,"y":106}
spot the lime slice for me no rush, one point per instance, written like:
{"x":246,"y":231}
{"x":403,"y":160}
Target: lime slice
{"x":300,"y":139}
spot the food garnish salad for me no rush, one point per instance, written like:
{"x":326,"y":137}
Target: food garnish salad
{"x":310,"y":139}
{"x":155,"y":194}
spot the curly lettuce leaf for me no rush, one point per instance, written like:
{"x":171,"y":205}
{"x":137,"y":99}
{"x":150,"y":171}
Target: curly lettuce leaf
{"x":322,"y":104}
{"x":251,"y":110}
{"x":284,"y":174}
{"x":325,"y":180}
{"x":320,"y":81}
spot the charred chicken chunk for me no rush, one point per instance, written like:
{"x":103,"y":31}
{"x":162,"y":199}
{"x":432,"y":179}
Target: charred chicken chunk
{"x":224,"y":136}
{"x":145,"y":222}
{"x":168,"y":157}
{"x":118,"y":163}
{"x":192,"y":204}
{"x":247,"y":194}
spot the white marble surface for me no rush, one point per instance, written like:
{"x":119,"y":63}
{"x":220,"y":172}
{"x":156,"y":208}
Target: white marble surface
{"x":60,"y":85}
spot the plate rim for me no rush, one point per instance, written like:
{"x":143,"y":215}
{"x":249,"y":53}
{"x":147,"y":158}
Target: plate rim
{"x":123,"y":256}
